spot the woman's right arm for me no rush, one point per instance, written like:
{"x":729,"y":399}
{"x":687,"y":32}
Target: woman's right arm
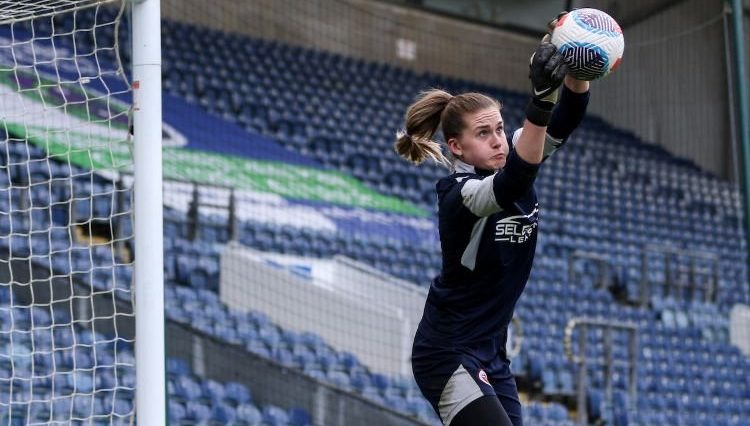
{"x":547,"y":70}
{"x":483,"y":197}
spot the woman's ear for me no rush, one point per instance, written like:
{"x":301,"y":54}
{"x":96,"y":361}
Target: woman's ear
{"x":454,"y":147}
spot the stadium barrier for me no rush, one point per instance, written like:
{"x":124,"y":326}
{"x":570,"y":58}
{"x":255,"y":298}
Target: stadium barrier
{"x":686,"y":272}
{"x":580,"y":356}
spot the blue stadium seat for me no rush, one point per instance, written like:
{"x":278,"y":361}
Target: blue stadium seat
{"x":213,"y":391}
{"x":396,"y":402}
{"x":123,"y":406}
{"x":299,"y":417}
{"x":329,"y":361}
{"x":317,"y":374}
{"x":549,"y":381}
{"x":186,"y":388}
{"x":236,"y":394}
{"x":380,"y":381}
{"x":177,"y":411}
{"x":339,"y":379}
{"x":222,"y":414}
{"x":197,"y":411}
{"x":284,"y":356}
{"x":360,"y":381}
{"x":249,"y":414}
{"x":259,"y":348}
{"x":594,"y":404}
{"x":275,"y":416}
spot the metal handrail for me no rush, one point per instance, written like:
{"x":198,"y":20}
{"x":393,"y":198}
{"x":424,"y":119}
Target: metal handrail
{"x":517,"y":340}
{"x":196,"y":203}
{"x":672,"y":254}
{"x":607,"y":361}
{"x":603,"y":280}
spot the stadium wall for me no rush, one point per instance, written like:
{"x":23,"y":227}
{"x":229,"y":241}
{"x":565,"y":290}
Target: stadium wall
{"x":355,"y":310}
{"x":370,"y":30}
{"x":671,"y":88}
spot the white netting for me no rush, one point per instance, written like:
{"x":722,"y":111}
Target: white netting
{"x":66,"y":318}
{"x":17,"y":10}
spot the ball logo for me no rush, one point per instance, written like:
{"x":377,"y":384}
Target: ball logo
{"x":586,"y":60}
{"x":597,"y":22}
{"x":483,"y":377}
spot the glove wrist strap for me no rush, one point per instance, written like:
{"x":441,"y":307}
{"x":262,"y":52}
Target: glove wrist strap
{"x":539,"y":112}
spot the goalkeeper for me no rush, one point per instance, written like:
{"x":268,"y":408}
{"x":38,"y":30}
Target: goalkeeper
{"x":487,"y":214}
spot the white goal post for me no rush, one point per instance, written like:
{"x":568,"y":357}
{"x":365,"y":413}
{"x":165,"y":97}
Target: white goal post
{"x":149,"y":273}
{"x":80,"y":204}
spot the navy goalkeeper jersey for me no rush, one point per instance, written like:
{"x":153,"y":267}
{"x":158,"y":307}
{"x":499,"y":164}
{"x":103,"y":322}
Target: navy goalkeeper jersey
{"x":488,"y":223}
{"x":488,"y":230}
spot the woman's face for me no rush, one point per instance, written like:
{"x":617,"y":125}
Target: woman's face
{"x":482,"y":143}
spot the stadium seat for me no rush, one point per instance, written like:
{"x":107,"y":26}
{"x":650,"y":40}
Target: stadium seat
{"x":594,"y":404}
{"x":197,"y":411}
{"x":275,"y":416}
{"x":299,"y":417}
{"x":222,"y":414}
{"x":339,"y":379}
{"x":123,"y":406}
{"x":213,"y":391}
{"x":249,"y":414}
{"x":186,"y":388}
{"x":177,"y":411}
{"x":236,"y":394}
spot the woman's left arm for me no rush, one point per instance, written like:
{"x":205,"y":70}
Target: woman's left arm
{"x":567,"y":114}
{"x":570,"y":110}
{"x":576,"y":86}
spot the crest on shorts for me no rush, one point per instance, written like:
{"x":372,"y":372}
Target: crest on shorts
{"x":483,"y":377}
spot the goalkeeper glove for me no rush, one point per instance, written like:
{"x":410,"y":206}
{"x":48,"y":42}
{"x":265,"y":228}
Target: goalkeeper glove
{"x":547,"y":69}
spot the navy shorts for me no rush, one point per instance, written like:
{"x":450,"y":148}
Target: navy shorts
{"x":452,"y":377}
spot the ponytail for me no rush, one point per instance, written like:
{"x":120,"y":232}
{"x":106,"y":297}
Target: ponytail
{"x":416,"y":144}
{"x":432,"y":109}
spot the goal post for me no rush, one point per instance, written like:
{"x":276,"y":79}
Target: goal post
{"x":149,"y":273}
{"x":80,"y":207}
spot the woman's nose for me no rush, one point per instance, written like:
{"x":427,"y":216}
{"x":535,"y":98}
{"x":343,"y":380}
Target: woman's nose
{"x":497,"y":141}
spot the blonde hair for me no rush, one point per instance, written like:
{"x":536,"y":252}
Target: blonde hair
{"x":432,"y":109}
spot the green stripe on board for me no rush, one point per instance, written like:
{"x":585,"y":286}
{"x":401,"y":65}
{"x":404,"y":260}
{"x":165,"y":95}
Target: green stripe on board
{"x":107,"y":151}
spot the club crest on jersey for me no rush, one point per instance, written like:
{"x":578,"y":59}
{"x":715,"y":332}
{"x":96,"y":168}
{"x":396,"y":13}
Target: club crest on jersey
{"x":483,"y":377}
{"x":516,"y":229}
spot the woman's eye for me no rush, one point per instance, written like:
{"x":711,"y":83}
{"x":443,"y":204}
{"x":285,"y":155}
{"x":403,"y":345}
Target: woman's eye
{"x":483,"y":133}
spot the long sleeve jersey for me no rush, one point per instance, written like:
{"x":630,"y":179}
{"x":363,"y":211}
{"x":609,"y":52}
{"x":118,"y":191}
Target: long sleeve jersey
{"x":488,"y":223}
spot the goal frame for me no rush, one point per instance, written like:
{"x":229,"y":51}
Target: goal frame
{"x":150,"y":395}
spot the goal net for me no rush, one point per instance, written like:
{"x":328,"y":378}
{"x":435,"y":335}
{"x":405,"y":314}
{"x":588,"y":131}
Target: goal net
{"x":66,"y":311}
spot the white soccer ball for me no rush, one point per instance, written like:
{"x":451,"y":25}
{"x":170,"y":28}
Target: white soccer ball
{"x":591,"y":41}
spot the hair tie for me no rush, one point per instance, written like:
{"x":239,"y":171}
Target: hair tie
{"x":401,"y":133}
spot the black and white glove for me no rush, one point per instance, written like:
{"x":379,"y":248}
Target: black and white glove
{"x":547,"y":69}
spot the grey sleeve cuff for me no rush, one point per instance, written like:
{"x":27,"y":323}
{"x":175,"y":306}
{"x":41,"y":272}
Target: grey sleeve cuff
{"x":479,"y":196}
{"x":551,"y":144}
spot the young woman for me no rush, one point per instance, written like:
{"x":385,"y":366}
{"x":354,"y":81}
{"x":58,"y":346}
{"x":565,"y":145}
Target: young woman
{"x":487,"y":219}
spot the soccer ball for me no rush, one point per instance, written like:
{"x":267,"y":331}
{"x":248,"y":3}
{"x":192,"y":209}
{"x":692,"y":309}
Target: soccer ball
{"x":591,"y":42}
